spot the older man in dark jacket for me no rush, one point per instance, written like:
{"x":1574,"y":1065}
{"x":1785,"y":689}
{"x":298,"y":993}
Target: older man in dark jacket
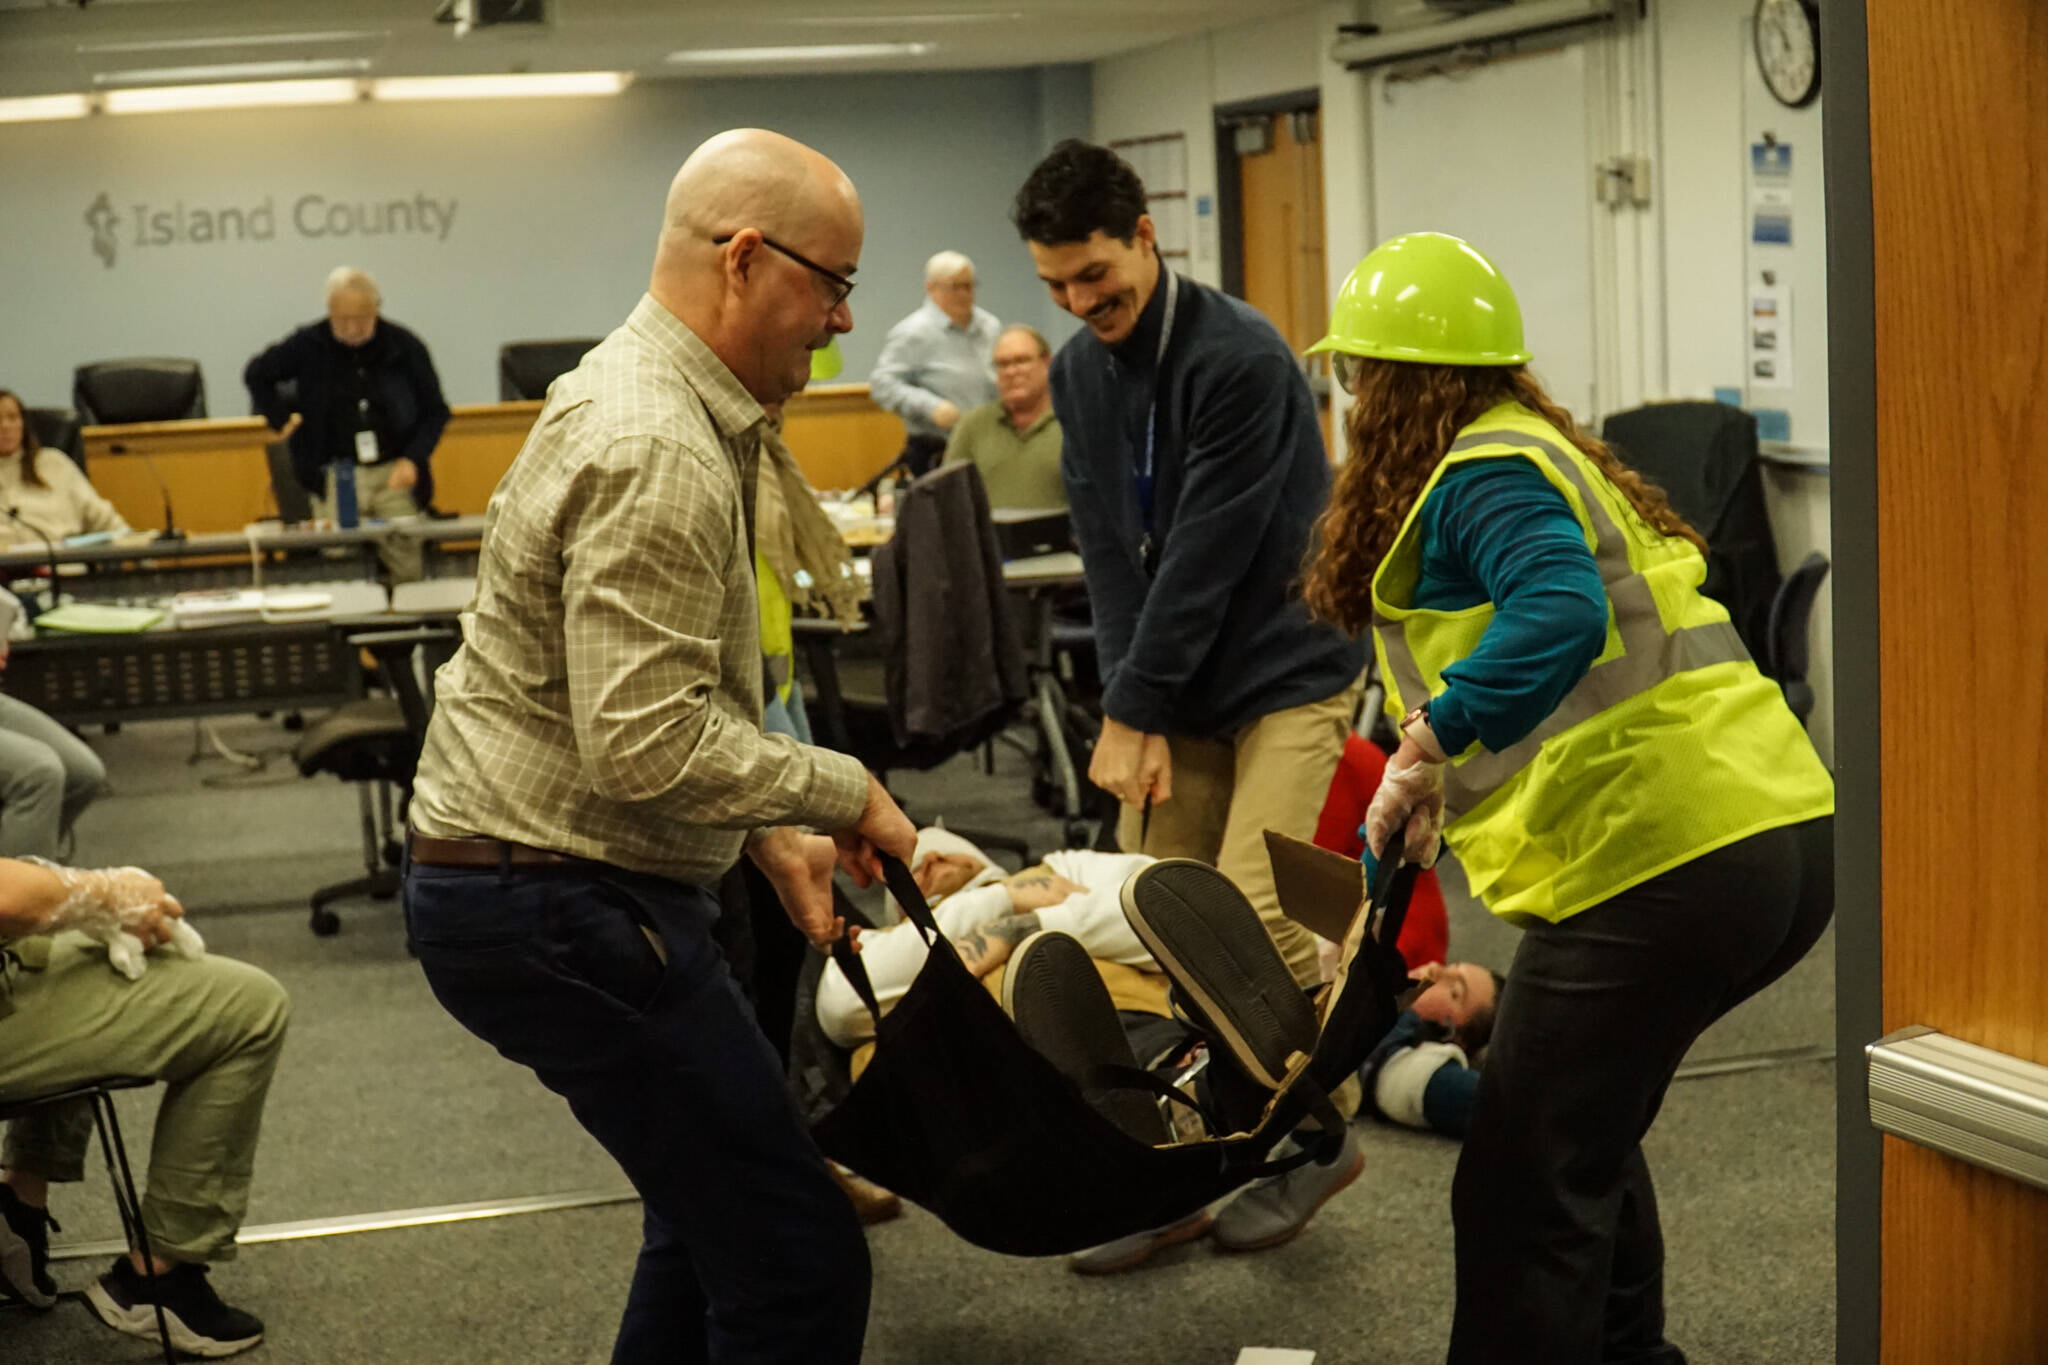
{"x":356,"y":391}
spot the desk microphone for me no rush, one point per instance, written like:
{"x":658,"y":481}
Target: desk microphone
{"x":14,"y":515}
{"x":170,"y":531}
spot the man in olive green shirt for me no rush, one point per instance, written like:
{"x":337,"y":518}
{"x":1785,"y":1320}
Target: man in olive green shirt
{"x":1015,"y":440}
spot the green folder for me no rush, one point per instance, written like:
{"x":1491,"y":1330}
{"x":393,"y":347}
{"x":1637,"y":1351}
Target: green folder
{"x":98,"y":618}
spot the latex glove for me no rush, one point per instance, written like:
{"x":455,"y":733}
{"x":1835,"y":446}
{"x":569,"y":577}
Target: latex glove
{"x":123,"y":907}
{"x":1410,"y":799}
{"x":127,"y":956}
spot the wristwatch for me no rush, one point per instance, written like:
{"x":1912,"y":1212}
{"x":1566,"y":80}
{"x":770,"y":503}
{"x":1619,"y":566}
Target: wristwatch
{"x":1421,"y":715}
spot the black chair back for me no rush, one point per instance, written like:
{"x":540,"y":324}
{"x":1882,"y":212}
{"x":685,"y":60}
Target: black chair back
{"x":58,"y":429}
{"x":112,"y":392}
{"x":1704,"y":457}
{"x":526,"y":368}
{"x":1790,"y":611}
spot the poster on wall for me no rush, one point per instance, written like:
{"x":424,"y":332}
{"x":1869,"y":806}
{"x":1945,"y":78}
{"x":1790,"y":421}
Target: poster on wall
{"x":1770,"y":331}
{"x":1770,"y":192}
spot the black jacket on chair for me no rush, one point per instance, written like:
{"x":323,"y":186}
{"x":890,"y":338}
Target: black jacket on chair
{"x":407,"y":409}
{"x":953,"y":661}
{"x":1704,"y":456}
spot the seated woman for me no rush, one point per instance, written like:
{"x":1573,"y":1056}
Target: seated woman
{"x":44,"y":496}
{"x":47,"y":774}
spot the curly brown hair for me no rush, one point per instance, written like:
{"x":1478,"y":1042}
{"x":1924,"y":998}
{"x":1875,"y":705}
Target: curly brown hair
{"x":1403,"y":421}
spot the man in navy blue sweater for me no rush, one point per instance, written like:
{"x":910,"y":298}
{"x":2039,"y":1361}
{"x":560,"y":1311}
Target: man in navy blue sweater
{"x":356,"y":388}
{"x":1194,"y":467}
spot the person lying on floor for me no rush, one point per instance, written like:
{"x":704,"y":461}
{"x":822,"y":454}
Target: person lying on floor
{"x":1425,"y":1072}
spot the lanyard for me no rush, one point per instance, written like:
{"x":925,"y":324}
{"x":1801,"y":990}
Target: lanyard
{"x":1144,"y":472}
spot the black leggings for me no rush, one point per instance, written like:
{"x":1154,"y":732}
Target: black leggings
{"x":1560,"y":1256}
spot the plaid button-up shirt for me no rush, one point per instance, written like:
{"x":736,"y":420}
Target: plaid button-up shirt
{"x":606,"y":701}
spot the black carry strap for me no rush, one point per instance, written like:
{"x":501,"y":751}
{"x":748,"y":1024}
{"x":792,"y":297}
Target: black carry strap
{"x":904,"y":888}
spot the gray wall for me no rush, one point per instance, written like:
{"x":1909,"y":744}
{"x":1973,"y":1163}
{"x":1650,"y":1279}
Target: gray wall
{"x":556,"y":203}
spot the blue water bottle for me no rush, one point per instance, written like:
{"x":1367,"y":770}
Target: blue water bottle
{"x":345,"y":494}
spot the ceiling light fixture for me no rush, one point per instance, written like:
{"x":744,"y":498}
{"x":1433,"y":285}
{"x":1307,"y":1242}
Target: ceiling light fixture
{"x":36,"y":108}
{"x":233,"y":71}
{"x":241,"y":95}
{"x":353,"y":35}
{"x":810,"y":52}
{"x":514,"y":85}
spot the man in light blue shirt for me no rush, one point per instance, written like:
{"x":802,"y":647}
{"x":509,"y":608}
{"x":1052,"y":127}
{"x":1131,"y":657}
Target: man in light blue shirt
{"x":938,"y":362}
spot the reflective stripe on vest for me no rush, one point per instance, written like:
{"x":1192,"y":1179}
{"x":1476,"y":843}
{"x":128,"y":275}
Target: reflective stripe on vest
{"x":1649,"y":655}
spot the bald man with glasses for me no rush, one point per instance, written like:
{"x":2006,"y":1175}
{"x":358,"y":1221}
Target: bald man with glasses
{"x":596,"y":763}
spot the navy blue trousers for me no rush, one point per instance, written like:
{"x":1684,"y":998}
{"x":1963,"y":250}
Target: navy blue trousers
{"x":750,"y":1251}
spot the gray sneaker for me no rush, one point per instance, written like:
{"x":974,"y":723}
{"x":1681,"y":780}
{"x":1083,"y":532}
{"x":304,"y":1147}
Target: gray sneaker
{"x":1277,"y":1208}
{"x":1128,"y":1252}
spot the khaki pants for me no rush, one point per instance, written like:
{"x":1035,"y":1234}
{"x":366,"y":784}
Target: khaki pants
{"x":210,"y":1030}
{"x":375,"y":497}
{"x":1272,"y":774}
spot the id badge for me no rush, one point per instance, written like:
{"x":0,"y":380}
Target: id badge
{"x":366,"y":447}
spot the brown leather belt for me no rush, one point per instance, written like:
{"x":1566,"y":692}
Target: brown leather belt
{"x":475,"y":851}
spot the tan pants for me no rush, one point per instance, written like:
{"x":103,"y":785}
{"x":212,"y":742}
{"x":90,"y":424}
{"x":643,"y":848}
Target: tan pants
{"x":375,"y":497}
{"x":1272,"y":774}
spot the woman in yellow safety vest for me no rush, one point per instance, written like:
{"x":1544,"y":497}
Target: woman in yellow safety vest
{"x":1588,"y":734}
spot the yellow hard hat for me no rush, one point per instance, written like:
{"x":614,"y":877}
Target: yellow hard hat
{"x":1429,"y":299}
{"x":826,"y":362}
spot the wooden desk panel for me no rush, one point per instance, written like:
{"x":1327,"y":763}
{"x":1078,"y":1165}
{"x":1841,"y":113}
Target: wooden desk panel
{"x":838,"y":435}
{"x":219,"y":474}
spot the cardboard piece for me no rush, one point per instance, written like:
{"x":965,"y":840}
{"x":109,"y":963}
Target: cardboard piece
{"x":1318,"y":889}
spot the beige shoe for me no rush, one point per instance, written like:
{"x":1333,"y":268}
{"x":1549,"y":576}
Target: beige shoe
{"x":871,"y":1203}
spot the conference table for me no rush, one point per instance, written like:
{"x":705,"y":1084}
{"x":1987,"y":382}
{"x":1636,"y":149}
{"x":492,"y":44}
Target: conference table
{"x":292,"y":657}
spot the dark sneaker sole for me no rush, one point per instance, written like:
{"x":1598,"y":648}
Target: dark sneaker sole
{"x":1061,"y":1008}
{"x":1205,"y":935}
{"x":139,"y":1320}
{"x":1344,"y":1182}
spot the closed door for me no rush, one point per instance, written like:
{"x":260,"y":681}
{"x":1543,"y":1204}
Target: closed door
{"x":1944,"y":761}
{"x":1280,"y":177}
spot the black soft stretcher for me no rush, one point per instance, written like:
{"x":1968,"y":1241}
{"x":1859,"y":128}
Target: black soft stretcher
{"x":957,"y":1113}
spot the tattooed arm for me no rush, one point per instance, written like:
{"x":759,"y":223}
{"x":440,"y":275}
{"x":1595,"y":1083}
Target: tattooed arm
{"x":988,"y":945}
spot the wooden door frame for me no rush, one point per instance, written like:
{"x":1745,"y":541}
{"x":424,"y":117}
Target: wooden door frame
{"x":1230,"y":188}
{"x":1852,"y":448}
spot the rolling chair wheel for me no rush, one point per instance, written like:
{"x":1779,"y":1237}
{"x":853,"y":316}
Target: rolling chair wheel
{"x":325,"y":923}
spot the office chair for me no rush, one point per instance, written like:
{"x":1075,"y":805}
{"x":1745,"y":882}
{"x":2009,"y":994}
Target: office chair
{"x":526,"y":368}
{"x":375,"y":743}
{"x":1704,"y":456}
{"x":112,"y":392}
{"x":58,"y":429}
{"x":127,"y":1201}
{"x":950,"y":673}
{"x":1790,"y":610}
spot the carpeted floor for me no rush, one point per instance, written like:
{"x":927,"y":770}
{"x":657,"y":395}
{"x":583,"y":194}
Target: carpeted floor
{"x":383,"y":1103}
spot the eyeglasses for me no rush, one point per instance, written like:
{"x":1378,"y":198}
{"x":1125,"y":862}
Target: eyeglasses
{"x":842,"y":287}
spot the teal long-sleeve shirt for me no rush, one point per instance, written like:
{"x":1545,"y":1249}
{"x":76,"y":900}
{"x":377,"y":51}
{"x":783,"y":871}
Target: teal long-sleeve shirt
{"x":1498,"y":531}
